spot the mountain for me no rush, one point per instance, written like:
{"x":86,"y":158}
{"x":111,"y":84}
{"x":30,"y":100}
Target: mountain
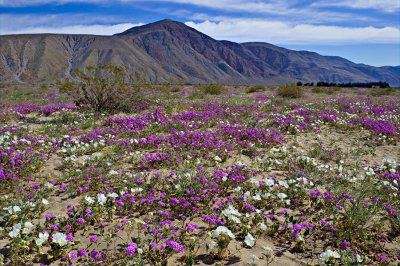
{"x":171,"y":51}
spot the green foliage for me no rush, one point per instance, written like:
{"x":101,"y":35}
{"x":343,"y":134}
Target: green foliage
{"x":326,"y":90}
{"x":106,"y":88}
{"x":355,"y":219}
{"x":212,"y":89}
{"x":256,"y":88}
{"x":290,"y":91}
{"x":381,"y":92}
{"x":201,"y":90}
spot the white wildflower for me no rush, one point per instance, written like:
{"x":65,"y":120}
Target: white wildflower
{"x":101,"y":199}
{"x":16,"y":230}
{"x":257,"y":197}
{"x":358,"y":258}
{"x":42,"y":238}
{"x":217,"y":159}
{"x":232,"y":214}
{"x":112,"y":195}
{"x":134,"y":190}
{"x":369,"y":171}
{"x":263,"y":226}
{"x":89,"y":200}
{"x":270,"y":182}
{"x":222,"y":230}
{"x":45,"y":201}
{"x":60,"y":238}
{"x":113,"y":172}
{"x":266,"y":195}
{"x":16,"y":209}
{"x":27,"y":227}
{"x":283,"y":183}
{"x":249,"y":240}
{"x":49,"y":185}
{"x":246,"y":195}
{"x":282,"y":196}
{"x":329,"y":256}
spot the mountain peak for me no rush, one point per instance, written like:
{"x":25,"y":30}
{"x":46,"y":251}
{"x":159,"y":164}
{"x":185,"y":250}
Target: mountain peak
{"x":165,"y":24}
{"x":167,"y":20}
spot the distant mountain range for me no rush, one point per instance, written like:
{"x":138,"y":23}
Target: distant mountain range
{"x":171,"y":51}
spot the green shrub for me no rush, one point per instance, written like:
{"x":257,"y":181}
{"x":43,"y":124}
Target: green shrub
{"x":212,"y":89}
{"x":175,"y":89}
{"x":326,"y":90}
{"x":290,"y":91}
{"x":381,"y":91}
{"x":256,"y":88}
{"x":106,"y":88}
{"x":201,"y":90}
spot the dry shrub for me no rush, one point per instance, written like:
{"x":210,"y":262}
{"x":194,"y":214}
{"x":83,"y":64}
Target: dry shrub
{"x":106,"y":88}
{"x":6,"y":117}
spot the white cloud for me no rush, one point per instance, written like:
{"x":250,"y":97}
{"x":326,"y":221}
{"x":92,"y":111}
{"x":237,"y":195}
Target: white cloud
{"x":225,"y":28}
{"x":18,"y":21}
{"x":295,"y":11}
{"x":62,"y":23}
{"x":250,"y":5}
{"x":287,"y":10}
{"x":73,"y":29}
{"x":381,"y":5}
{"x":278,"y":32}
{"x":239,"y":5}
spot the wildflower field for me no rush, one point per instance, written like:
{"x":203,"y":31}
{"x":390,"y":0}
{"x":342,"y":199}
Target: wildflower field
{"x":237,"y":178}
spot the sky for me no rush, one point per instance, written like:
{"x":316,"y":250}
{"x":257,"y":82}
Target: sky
{"x":363,"y":31}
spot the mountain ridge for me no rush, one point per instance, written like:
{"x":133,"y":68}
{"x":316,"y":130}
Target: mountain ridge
{"x":171,"y":51}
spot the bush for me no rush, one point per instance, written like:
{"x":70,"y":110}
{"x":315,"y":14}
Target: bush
{"x":327,"y":90}
{"x":212,"y":89}
{"x":107,"y":88}
{"x":290,"y":91}
{"x":256,"y":88}
{"x":175,"y":89}
{"x":199,"y":91}
{"x":8,"y":117}
{"x":381,"y":92}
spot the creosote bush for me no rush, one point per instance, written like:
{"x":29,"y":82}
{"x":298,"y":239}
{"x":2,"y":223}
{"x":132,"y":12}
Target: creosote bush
{"x":212,"y":89}
{"x":290,"y":91}
{"x":256,"y":88}
{"x":381,"y":92}
{"x":106,"y":88}
{"x":326,"y":90}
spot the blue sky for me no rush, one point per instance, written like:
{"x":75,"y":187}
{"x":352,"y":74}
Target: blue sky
{"x":363,"y":31}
